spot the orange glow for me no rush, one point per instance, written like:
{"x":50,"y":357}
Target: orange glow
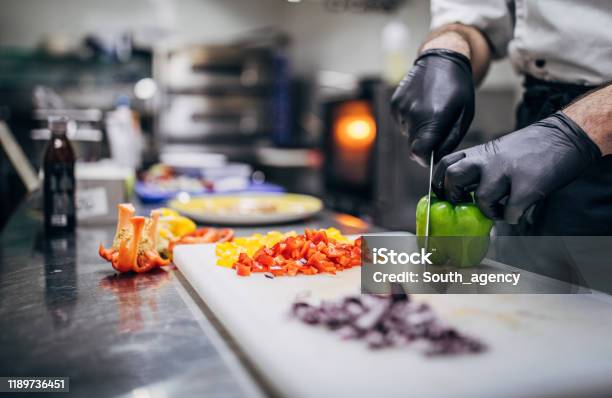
{"x":354,"y":126}
{"x":358,"y":129}
{"x":351,"y":221}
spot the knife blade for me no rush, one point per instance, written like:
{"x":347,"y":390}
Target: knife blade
{"x":431,"y":163}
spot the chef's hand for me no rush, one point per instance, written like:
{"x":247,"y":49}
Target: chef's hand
{"x":434,"y":103}
{"x":512,"y":173}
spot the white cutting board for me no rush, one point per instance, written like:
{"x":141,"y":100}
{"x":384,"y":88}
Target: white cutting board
{"x":540,"y":345}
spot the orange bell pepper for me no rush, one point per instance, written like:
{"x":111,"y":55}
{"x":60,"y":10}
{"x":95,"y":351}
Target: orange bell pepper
{"x":134,"y":245}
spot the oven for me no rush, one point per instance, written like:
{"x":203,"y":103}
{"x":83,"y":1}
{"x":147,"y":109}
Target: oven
{"x":367,"y":171}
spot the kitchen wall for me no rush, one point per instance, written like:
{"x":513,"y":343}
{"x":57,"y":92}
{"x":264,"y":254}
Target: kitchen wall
{"x":24,"y":22}
{"x":351,"y":42}
{"x":345,"y":42}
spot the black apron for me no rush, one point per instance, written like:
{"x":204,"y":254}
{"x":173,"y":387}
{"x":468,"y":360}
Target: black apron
{"x":583,"y":207}
{"x":555,"y":241}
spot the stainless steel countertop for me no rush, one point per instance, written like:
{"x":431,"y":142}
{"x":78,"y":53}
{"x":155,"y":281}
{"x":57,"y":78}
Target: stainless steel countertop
{"x":65,"y":312}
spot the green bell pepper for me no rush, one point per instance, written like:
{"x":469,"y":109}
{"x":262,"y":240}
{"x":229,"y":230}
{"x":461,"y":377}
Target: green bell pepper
{"x":458,"y":234}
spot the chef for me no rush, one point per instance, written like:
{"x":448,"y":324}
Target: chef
{"x":553,"y":175}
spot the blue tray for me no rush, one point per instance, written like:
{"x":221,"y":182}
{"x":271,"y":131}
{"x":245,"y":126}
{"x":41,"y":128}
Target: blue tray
{"x":149,"y":193}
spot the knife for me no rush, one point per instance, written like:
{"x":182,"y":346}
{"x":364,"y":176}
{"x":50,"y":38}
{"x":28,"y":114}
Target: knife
{"x":431,"y":163}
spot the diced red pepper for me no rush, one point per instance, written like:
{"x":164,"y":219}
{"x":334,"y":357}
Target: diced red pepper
{"x":245,"y":259}
{"x":265,"y":260}
{"x":308,"y":254}
{"x":242,"y":269}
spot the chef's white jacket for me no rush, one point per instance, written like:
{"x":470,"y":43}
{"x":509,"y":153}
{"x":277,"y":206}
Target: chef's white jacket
{"x":554,"y":40}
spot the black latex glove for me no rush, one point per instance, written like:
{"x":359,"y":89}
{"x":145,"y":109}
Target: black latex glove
{"x":434,"y":103}
{"x":510,"y":174}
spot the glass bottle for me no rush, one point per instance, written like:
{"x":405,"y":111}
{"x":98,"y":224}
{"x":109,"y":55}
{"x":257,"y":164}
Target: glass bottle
{"x":59,"y":180}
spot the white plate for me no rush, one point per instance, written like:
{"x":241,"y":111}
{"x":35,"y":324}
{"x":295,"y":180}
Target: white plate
{"x":251,"y":209}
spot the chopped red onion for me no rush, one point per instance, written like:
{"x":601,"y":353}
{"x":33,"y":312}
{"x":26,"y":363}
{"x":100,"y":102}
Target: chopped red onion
{"x":387,"y":321}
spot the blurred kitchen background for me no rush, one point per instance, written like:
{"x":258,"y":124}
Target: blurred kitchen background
{"x":224,"y":96}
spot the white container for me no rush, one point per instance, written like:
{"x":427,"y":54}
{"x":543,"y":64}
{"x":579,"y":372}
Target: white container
{"x":192,"y":162}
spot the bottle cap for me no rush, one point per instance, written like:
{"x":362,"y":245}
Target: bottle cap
{"x":58,"y":123}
